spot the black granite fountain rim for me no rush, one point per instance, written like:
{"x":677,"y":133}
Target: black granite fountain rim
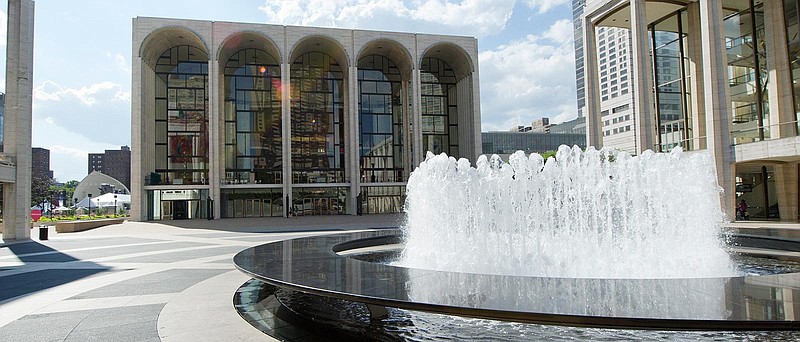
{"x":312,"y":265}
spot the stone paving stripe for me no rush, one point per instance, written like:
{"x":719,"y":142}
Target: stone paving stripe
{"x":30,"y":282}
{"x":172,"y":281}
{"x":184,"y":255}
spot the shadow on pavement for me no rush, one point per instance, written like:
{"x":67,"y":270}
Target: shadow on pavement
{"x":44,"y":268}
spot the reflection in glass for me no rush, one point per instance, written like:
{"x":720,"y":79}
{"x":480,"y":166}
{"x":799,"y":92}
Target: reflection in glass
{"x":380,"y":120}
{"x":181,"y":117}
{"x":319,"y":201}
{"x":793,"y":41}
{"x":747,"y":71}
{"x":253,"y":119}
{"x":251,"y":202}
{"x":439,"y":107}
{"x":318,"y":142}
{"x":672,"y":96}
{"x":382,"y":199}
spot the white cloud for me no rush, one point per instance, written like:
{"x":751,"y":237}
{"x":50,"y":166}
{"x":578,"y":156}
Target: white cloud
{"x":471,"y":17}
{"x":546,"y":5}
{"x":68,"y":150}
{"x":527,"y":79}
{"x":561,"y":32}
{"x":51,"y":91}
{"x":120,"y":60}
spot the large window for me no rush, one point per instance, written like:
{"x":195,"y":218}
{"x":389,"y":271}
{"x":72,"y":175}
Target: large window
{"x":318,"y":142}
{"x":252,"y":119}
{"x":439,"y":107}
{"x":747,"y":71}
{"x":380,"y":120}
{"x":672,"y":96}
{"x":181,"y":119}
{"x":251,"y":202}
{"x":790,"y":8}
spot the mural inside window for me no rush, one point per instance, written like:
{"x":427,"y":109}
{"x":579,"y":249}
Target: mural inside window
{"x":252,"y":119}
{"x":317,"y":126}
{"x":380,"y":120}
{"x":439,"y":107}
{"x":181,"y":117}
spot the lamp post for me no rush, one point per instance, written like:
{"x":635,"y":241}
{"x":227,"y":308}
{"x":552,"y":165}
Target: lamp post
{"x":115,"y":205}
{"x":90,"y":204}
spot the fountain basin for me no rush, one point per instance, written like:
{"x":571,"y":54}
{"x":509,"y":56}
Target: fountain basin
{"x":319,"y":265}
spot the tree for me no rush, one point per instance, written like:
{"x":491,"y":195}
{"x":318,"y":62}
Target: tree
{"x":40,"y":188}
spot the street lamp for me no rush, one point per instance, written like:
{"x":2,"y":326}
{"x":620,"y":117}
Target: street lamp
{"x":115,"y":204}
{"x":90,"y":204}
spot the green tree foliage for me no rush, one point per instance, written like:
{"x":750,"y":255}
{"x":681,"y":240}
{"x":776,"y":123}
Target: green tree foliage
{"x":40,"y":188}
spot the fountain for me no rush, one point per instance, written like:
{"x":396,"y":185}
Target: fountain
{"x":650,"y":216}
{"x":588,"y":239}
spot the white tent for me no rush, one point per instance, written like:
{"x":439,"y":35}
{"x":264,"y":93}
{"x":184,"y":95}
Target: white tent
{"x":105,"y":201}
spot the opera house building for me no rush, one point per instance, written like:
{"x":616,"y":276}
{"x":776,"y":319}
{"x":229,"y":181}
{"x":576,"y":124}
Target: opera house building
{"x":253,"y":120}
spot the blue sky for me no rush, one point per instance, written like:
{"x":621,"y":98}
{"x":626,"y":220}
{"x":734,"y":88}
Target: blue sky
{"x":82,"y":58}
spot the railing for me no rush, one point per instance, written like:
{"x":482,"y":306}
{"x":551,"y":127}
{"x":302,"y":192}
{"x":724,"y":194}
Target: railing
{"x":752,"y":134}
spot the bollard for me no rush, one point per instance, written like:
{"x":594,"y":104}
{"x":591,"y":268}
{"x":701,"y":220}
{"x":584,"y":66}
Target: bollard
{"x":43,"y":232}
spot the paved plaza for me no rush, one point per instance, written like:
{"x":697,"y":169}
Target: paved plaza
{"x":156,"y":281}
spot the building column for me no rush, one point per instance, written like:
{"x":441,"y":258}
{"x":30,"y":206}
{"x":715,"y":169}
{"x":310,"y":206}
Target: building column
{"x":779,"y":88}
{"x":18,"y":118}
{"x":286,"y":142}
{"x":408,"y":166}
{"x":694,"y":65}
{"x":717,"y":105}
{"x":138,"y":195}
{"x":594,"y":131}
{"x":477,"y":143}
{"x":642,"y":79}
{"x":216,"y":142}
{"x":786,"y":181}
{"x":418,"y":154}
{"x":354,"y":135}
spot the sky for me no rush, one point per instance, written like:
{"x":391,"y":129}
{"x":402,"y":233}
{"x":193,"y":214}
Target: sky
{"x":82,"y":58}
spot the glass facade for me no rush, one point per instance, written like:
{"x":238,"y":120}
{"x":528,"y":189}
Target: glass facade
{"x":439,"y":107}
{"x":510,"y":142}
{"x":672,"y":95}
{"x":382,"y":199}
{"x":792,"y":19}
{"x":251,"y":202}
{"x":253,"y":152}
{"x":181,"y":117}
{"x":747,"y":71}
{"x":177,"y":204}
{"x":380,"y":120}
{"x":317,"y":124}
{"x":319,"y":201}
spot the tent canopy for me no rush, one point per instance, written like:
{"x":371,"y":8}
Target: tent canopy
{"x":105,"y":201}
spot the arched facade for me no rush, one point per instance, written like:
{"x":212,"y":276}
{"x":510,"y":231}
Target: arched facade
{"x":295,"y":120}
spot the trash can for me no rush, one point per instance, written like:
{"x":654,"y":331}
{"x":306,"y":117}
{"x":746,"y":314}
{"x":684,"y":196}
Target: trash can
{"x":43,"y":232}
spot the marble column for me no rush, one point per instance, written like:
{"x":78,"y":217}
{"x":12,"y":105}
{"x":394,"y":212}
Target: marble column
{"x":18,"y":118}
{"x":594,"y":131}
{"x":717,"y":105}
{"x":642,"y":79}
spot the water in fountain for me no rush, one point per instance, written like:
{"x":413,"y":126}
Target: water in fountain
{"x":593,"y":214}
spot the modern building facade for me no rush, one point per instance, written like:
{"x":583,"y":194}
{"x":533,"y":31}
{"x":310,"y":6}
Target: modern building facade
{"x":715,"y":75}
{"x":616,"y":93}
{"x":114,"y":163}
{"x":505,"y":143}
{"x":250,"y":120}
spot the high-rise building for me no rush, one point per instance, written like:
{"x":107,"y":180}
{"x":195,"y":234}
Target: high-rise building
{"x":706,"y":75}
{"x":114,"y":163}
{"x":40,"y":163}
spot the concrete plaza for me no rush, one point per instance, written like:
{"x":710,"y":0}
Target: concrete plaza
{"x":155,"y":281}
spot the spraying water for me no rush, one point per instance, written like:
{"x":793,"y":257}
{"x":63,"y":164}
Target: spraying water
{"x":593,"y":214}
